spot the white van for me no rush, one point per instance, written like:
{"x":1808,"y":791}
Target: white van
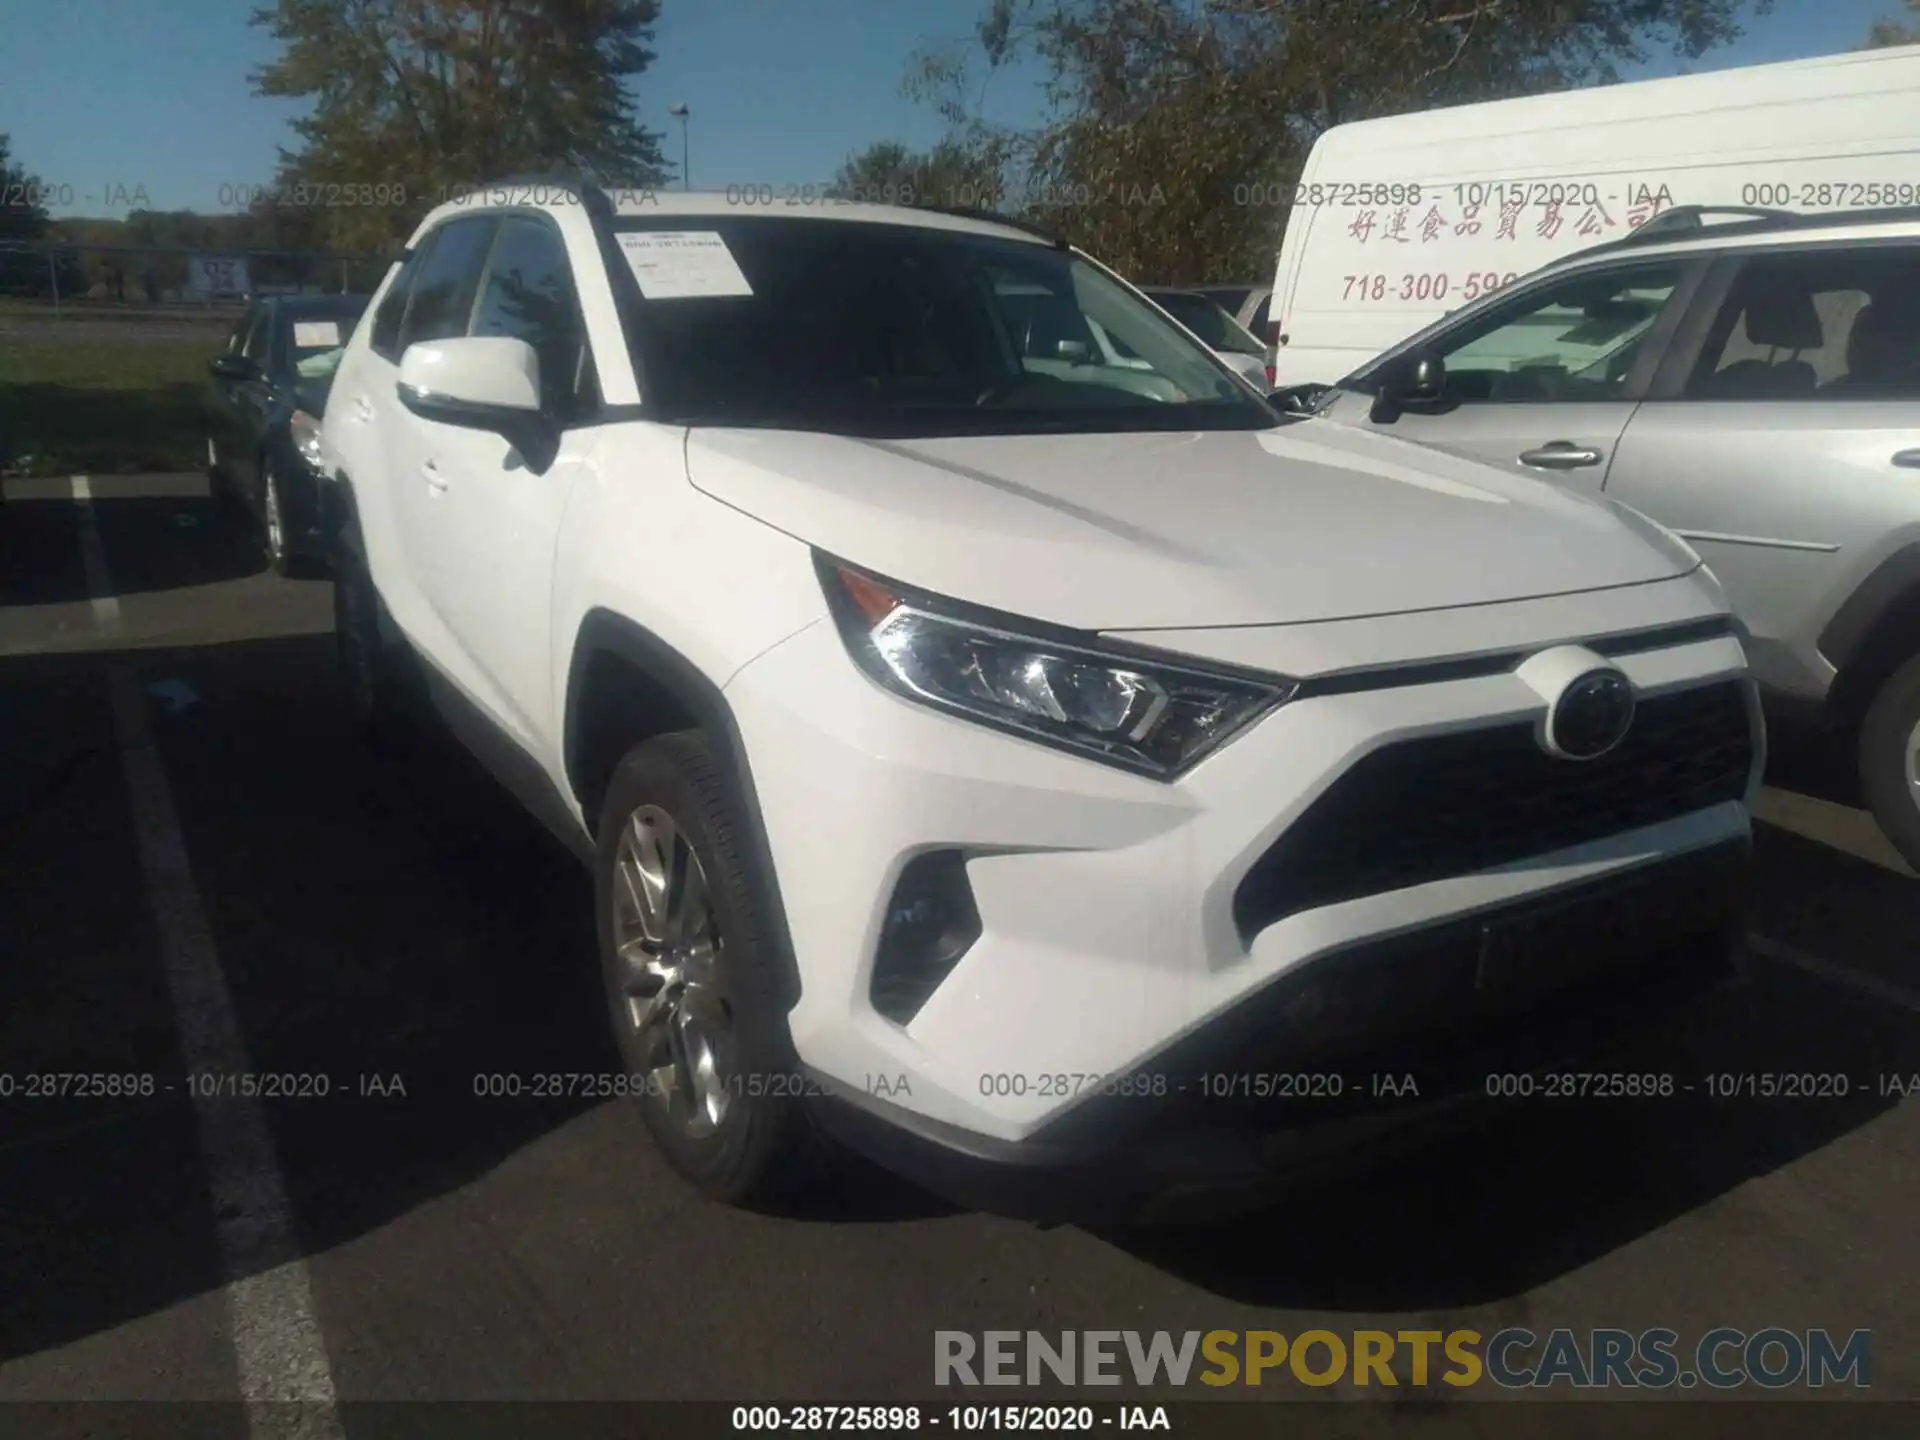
{"x":1397,"y":221}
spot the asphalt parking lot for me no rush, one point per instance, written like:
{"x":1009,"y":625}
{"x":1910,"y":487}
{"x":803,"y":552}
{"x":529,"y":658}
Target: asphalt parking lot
{"x":398,"y":927}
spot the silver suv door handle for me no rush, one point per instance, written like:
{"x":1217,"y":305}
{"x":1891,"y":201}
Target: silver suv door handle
{"x":1907,"y":459}
{"x":436,"y":482}
{"x":362,"y":408}
{"x":1560,"y":455}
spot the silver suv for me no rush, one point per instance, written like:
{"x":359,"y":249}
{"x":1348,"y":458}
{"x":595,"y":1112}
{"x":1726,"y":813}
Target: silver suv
{"x":1750,"y":380}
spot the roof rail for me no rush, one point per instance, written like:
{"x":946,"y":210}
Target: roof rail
{"x":1688,"y":217}
{"x":993,"y":217}
{"x":1684,"y":220}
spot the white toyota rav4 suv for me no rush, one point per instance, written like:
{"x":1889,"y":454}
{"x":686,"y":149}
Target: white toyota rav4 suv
{"x":1071,"y":785}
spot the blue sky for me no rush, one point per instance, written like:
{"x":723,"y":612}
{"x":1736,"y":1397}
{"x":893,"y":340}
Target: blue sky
{"x":111,"y":97}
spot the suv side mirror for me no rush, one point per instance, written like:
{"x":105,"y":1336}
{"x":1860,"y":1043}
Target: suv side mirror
{"x":479,"y":382}
{"x":1297,"y":399}
{"x":1419,"y":379}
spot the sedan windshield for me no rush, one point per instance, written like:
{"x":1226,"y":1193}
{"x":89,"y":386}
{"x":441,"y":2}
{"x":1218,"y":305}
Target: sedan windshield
{"x":1208,"y":321}
{"x":911,"y":331}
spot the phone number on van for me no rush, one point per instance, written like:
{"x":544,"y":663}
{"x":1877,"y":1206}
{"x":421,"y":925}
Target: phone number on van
{"x":1426,"y":287}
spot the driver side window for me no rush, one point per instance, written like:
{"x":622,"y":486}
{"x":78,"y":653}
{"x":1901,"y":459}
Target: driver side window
{"x":1571,"y":341}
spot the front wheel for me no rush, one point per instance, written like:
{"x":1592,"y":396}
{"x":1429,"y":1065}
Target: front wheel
{"x":1890,"y":760}
{"x":691,"y":982}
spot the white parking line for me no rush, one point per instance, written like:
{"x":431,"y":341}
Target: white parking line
{"x":1871,"y":986}
{"x":279,"y":1351}
{"x":93,"y":558}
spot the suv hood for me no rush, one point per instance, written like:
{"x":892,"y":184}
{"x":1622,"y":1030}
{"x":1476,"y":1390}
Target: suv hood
{"x":1306,"y":522}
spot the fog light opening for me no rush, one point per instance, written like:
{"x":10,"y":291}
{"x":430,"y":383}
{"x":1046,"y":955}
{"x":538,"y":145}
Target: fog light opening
{"x":931,"y":922}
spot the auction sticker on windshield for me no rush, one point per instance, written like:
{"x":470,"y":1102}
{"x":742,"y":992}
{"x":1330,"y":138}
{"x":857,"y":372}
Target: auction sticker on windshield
{"x":316,"y":334}
{"x":683,"y":264}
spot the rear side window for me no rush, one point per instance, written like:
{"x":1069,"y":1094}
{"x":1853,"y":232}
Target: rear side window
{"x":1835,"y":324}
{"x":528,"y":294}
{"x":449,"y":276}
{"x":385,"y":337}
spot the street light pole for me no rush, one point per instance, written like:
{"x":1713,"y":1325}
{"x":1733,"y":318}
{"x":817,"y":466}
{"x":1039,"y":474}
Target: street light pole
{"x":680,"y":111}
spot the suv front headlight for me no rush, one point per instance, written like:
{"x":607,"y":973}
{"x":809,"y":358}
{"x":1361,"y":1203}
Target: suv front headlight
{"x":1138,"y":712}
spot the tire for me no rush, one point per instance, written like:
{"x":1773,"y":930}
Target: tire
{"x":747,"y":1138}
{"x":1889,"y":764}
{"x":369,"y":672}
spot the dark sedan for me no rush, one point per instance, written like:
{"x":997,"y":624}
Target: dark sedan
{"x":263,"y":419}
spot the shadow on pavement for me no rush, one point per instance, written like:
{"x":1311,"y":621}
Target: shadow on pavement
{"x":106,"y":1214}
{"x":153,"y":542}
{"x":1813,"y":762}
{"x":396,"y":935}
{"x":1551,"y":1185}
{"x":113,"y":423}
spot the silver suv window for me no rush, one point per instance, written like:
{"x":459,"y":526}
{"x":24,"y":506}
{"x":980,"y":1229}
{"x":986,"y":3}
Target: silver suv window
{"x":1829,"y":324}
{"x":1574,"y":340}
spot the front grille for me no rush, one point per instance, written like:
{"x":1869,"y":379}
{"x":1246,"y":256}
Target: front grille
{"x":1448,"y":805}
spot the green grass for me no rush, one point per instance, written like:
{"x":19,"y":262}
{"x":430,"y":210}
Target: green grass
{"x":99,"y":406}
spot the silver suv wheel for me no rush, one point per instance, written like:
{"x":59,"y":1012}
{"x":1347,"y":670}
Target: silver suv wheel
{"x":669,"y":945}
{"x":1913,"y":765}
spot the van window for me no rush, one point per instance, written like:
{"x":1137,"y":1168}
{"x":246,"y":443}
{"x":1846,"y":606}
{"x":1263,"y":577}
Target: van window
{"x":1574,"y":340}
{"x":1828,"y":324}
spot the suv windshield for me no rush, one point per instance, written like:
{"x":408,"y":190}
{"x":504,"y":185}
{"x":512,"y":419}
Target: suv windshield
{"x":1208,"y":321}
{"x":909,"y":331}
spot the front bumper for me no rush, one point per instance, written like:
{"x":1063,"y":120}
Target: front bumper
{"x":1362,"y":1054}
{"x":1108,"y":935}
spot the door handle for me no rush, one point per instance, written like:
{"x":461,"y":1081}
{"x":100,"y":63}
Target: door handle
{"x":1560,"y":455}
{"x":362,"y":408}
{"x":436,"y":482}
{"x":1907,"y":459}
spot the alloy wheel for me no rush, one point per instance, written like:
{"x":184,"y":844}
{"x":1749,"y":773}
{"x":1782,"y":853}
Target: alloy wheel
{"x":667,"y":946}
{"x":1913,"y":764}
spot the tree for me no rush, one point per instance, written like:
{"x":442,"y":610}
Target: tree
{"x":1887,"y":33}
{"x":23,"y":216}
{"x":950,"y":175}
{"x":417,"y":101}
{"x":24,"y":232}
{"x":1173,"y":124}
